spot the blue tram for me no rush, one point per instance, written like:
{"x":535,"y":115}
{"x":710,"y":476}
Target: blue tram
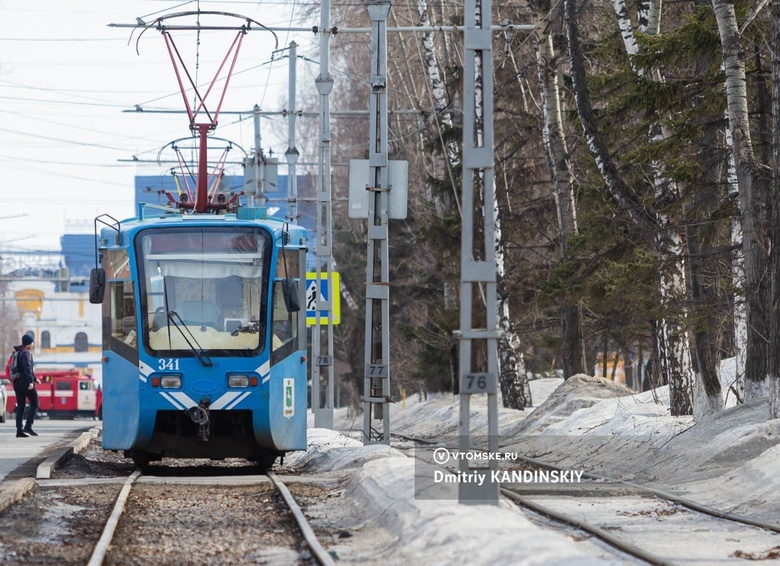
{"x":203,"y":339}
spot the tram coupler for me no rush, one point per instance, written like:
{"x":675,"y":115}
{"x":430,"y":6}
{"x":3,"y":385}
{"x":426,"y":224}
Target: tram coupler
{"x":200,"y":416}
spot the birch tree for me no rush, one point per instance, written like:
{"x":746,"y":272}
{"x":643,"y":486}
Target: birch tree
{"x":706,"y":391}
{"x":672,"y":347}
{"x":672,"y":352}
{"x":557,"y":156}
{"x":738,"y":280}
{"x":750,"y":201}
{"x":774,"y":342}
{"x":444,"y":201}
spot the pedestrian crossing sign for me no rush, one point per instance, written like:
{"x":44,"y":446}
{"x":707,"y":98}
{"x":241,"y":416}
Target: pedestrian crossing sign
{"x":326,"y":290}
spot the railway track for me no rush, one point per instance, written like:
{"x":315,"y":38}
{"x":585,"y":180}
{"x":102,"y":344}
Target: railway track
{"x":649,"y":525}
{"x":202,"y":519}
{"x":653,"y":526}
{"x":318,"y":553}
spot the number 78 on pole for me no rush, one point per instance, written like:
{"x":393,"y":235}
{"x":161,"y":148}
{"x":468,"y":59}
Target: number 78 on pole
{"x":329,"y":291}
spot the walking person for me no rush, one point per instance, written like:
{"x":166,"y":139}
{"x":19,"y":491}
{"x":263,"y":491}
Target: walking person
{"x":24,"y":387}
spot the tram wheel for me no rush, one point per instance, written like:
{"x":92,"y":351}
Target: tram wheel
{"x":266,"y":461}
{"x":141,"y":458}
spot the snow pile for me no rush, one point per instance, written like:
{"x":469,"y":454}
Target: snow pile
{"x":444,"y":532}
{"x":635,"y":437}
{"x":329,"y":450}
{"x":751,"y":489}
{"x":730,"y":460}
{"x":392,"y":526}
{"x":597,"y":426}
{"x":562,"y":404}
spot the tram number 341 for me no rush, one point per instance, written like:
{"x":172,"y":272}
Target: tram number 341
{"x":471,"y":383}
{"x":170,"y":364}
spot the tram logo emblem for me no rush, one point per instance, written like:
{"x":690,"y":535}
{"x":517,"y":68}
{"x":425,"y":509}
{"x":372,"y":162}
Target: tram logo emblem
{"x":289,"y":397}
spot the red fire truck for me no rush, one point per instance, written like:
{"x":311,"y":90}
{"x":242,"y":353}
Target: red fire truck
{"x":63,"y":394}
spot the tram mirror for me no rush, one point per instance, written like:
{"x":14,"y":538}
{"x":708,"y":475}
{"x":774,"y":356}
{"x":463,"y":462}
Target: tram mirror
{"x":291,"y":299}
{"x":97,"y":285}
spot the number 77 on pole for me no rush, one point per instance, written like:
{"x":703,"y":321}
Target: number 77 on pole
{"x":327,"y":289}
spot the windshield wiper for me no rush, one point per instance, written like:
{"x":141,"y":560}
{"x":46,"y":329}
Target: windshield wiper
{"x":203,"y":357}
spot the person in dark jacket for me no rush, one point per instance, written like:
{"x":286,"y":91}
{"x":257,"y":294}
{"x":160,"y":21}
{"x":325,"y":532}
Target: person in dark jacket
{"x":24,"y":387}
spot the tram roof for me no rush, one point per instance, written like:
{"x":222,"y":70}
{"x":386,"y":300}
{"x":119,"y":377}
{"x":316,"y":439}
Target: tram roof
{"x":245,"y":217}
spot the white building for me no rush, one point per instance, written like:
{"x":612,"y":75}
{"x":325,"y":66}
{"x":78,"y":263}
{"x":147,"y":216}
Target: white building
{"x":53,"y":306}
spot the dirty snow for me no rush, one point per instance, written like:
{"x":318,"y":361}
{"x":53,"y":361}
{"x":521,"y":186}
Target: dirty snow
{"x":730,"y":461}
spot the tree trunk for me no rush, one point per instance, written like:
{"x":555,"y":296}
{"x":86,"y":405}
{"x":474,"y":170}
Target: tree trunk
{"x":751,"y":213}
{"x":558,"y":163}
{"x":442,"y":200}
{"x":702,"y":205}
{"x":737,"y":279}
{"x":649,"y":16}
{"x":673,"y":351}
{"x":774,"y":342}
{"x":708,"y":398}
{"x":671,"y":338}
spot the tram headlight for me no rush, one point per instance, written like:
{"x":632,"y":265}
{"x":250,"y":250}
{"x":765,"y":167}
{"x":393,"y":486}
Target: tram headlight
{"x":170,"y":381}
{"x":238,"y":381}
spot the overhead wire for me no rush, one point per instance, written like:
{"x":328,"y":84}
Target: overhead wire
{"x":93,"y":102}
{"x":59,"y":174}
{"x":13,"y":159}
{"x":8,"y":84}
{"x":71,"y":126}
{"x":167,"y":9}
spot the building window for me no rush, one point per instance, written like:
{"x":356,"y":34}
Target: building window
{"x":45,"y":339}
{"x":81,"y":344}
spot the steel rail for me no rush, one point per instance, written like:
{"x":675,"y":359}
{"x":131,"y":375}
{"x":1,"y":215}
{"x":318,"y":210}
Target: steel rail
{"x":613,"y":541}
{"x":99,"y":554}
{"x":320,"y":554}
{"x":687,"y":503}
{"x":603,"y":534}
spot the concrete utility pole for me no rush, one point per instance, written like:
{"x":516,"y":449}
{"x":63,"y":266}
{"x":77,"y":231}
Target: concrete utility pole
{"x":258,"y":161}
{"x":322,"y":334}
{"x":376,"y":385}
{"x":476,"y":273}
{"x":292,"y":152}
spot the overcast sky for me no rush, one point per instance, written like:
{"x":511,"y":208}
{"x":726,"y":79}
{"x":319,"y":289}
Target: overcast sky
{"x":65,"y":79}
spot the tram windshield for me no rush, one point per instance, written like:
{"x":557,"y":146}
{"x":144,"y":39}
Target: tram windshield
{"x":202,"y":289}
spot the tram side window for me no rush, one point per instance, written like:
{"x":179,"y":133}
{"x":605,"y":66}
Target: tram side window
{"x":122,"y":313}
{"x":284,"y":326}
